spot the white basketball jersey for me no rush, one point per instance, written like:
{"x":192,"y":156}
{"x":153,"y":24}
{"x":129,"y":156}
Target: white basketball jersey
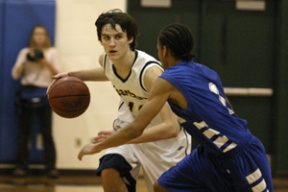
{"x":132,"y":89}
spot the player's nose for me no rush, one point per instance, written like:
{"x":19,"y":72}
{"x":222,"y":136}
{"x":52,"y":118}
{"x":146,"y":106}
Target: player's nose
{"x":112,"y":42}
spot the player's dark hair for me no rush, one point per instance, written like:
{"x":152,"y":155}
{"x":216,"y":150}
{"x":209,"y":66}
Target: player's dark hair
{"x":179,"y":40}
{"x":126,"y":22}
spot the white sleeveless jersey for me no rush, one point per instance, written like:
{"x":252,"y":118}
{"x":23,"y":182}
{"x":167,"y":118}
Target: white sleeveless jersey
{"x":132,"y":89}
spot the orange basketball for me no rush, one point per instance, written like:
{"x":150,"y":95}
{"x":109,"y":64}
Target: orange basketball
{"x":69,"y":97}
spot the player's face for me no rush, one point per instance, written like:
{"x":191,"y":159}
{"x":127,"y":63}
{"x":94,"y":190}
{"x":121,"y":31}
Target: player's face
{"x":115,"y":41}
{"x":161,"y":51}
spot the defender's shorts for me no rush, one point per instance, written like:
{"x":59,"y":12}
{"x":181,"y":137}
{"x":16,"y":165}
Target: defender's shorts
{"x":247,"y":169}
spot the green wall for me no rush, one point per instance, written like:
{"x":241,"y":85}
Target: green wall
{"x":280,"y":162}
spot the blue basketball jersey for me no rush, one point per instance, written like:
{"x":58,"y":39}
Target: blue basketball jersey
{"x":208,"y":117}
{"x":229,"y":157}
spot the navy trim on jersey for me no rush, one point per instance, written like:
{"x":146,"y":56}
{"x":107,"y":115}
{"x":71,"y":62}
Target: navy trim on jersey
{"x":121,"y":104}
{"x":116,"y":74}
{"x":105,"y":58}
{"x":143,"y":69}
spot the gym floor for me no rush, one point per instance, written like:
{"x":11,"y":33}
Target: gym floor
{"x":78,"y":183}
{"x":67,"y":182}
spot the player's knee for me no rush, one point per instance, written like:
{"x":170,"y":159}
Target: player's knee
{"x":112,"y":181}
{"x":158,"y":188}
{"x":107,"y":174}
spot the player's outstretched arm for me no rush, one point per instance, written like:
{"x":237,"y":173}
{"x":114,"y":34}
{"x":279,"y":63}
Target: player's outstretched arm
{"x":95,"y":74}
{"x":168,"y":129}
{"x":158,"y":97}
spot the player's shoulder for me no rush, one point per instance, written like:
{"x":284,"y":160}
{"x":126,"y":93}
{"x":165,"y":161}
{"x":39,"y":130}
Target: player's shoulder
{"x":146,"y":56}
{"x":102,"y":59}
{"x":146,"y":61}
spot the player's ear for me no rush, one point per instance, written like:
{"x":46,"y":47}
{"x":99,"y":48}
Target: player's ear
{"x":164,"y":51}
{"x":131,"y":40}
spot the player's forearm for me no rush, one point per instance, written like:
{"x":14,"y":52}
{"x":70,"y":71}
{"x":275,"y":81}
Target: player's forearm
{"x":89,"y":75}
{"x":137,"y":127}
{"x":156,"y":133}
{"x":169,"y":128}
{"x":121,"y":137}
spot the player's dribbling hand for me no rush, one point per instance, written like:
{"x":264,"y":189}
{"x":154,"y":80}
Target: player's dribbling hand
{"x":89,"y":149}
{"x":55,"y":77}
{"x":61,"y":75}
{"x":102,"y":135}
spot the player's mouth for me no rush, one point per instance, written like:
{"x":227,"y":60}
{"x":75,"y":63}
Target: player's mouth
{"x":112,"y":51}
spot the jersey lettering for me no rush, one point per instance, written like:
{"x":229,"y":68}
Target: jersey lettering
{"x":128,"y":93}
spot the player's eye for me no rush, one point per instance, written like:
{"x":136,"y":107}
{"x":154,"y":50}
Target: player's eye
{"x":105,"y":38}
{"x":118,"y":37}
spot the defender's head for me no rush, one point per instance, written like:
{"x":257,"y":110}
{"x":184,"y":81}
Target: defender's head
{"x":178,"y":40}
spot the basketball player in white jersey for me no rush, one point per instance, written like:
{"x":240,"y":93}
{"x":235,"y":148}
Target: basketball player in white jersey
{"x":132,"y":73}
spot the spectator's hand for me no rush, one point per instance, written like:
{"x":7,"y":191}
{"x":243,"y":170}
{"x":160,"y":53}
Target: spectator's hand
{"x":89,"y":149}
{"x":102,"y":135}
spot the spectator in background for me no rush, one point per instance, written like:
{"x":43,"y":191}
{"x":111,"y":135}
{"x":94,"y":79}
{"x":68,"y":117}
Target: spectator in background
{"x":35,"y":66}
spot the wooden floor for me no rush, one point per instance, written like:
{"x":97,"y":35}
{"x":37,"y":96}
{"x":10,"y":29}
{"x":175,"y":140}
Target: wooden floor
{"x":65,"y":183}
{"x":82,"y":183}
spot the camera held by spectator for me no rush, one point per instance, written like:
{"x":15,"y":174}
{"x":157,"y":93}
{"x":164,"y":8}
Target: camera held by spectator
{"x":35,"y":56}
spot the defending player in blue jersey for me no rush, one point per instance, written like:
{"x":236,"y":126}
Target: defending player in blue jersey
{"x":229,"y":157}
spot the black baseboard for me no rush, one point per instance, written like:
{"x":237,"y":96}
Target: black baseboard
{"x":64,"y":172}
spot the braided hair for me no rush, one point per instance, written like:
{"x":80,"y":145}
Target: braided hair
{"x":179,"y":40}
